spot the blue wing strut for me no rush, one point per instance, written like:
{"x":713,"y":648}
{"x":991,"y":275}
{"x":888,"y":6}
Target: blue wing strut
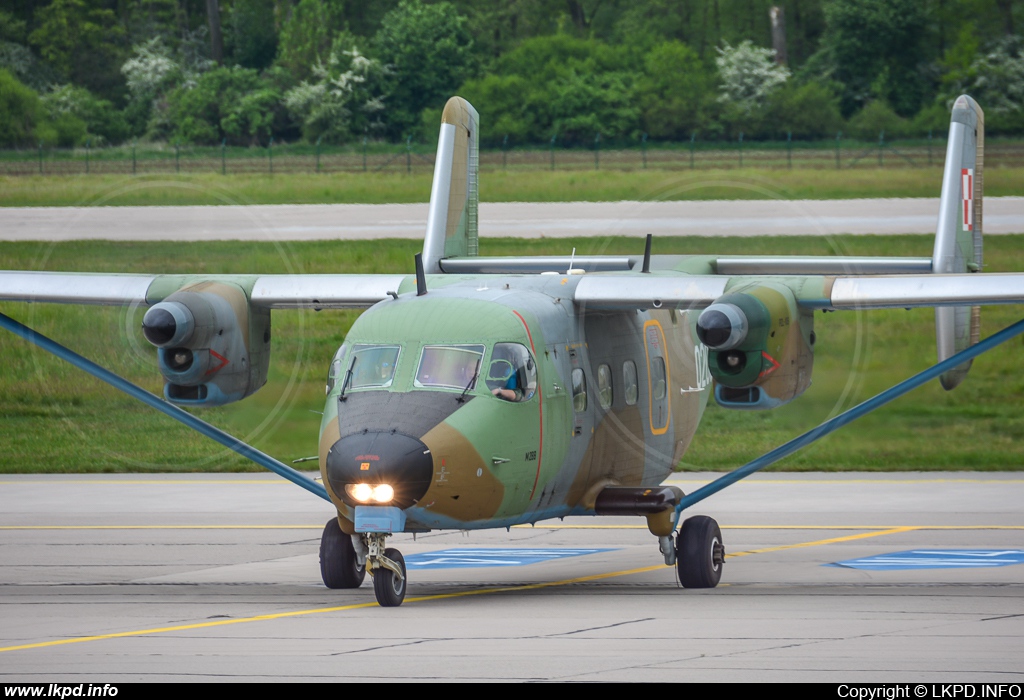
{"x":849,"y":416}
{"x":201,"y":426}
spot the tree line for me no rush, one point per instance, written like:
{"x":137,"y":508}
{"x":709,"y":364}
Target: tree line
{"x":243,"y":72}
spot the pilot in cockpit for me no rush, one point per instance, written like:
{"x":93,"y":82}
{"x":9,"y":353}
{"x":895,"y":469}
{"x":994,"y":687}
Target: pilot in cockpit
{"x":511,"y":375}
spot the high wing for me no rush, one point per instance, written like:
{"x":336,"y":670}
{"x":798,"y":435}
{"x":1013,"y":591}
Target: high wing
{"x":265,"y":291}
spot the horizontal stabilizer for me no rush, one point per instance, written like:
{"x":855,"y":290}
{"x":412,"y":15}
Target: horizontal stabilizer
{"x":834,"y":265}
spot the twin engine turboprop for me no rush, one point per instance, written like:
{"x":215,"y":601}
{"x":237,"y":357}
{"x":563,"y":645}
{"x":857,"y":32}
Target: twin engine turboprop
{"x":213,"y":347}
{"x":513,"y":393}
{"x":760,"y":346}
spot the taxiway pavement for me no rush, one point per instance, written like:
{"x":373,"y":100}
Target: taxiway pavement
{"x":215,"y":577}
{"x":516,"y":220}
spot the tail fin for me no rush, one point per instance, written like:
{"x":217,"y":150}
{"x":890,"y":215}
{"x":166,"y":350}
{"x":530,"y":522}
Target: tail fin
{"x":958,"y":244}
{"x":452,"y":219}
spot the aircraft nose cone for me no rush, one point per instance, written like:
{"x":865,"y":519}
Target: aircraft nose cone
{"x":401,"y":461}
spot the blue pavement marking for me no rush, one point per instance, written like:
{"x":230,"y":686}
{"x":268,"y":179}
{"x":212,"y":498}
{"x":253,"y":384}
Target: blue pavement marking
{"x":466,"y":558}
{"x":937,"y":559}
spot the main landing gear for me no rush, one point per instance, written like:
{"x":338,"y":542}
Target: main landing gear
{"x":700,"y":553}
{"x":344,"y":560}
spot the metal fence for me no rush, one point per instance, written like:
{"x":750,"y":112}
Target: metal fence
{"x":839,"y":153}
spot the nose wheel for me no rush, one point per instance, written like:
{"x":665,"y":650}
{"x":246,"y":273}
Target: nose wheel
{"x":387,"y":566}
{"x":388,"y":584}
{"x":700,"y":553}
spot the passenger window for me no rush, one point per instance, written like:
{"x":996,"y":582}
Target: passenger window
{"x":629,"y":382}
{"x":579,"y":391}
{"x":658,"y":384}
{"x":604,"y":386}
{"x":512,"y":373}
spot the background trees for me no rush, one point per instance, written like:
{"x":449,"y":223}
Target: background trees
{"x":248,"y":70}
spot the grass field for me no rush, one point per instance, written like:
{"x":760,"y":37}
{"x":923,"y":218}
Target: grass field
{"x":495,"y":186}
{"x":53,"y":418}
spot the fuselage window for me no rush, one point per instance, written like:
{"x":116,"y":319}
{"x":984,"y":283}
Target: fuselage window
{"x":658,"y":383}
{"x":512,"y":373}
{"x":449,"y":366}
{"x":579,"y":391}
{"x":629,"y":382}
{"x":604,"y":386}
{"x":371,"y":366}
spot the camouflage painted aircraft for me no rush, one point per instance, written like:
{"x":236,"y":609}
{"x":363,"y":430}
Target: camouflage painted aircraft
{"x":488,"y":392}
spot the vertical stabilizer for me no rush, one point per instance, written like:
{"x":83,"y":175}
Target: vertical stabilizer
{"x":958,"y":244}
{"x":452,"y":219}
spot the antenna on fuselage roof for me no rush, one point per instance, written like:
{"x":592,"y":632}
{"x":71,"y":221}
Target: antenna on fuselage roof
{"x":647,"y":254}
{"x":421,"y":278}
{"x":571,"y":258}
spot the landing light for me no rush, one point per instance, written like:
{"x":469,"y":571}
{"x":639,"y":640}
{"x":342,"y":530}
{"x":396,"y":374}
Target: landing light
{"x":365,"y":493}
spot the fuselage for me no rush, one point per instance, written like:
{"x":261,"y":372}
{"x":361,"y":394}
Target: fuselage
{"x":487,"y":403}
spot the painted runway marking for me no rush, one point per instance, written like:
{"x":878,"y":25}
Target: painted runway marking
{"x":466,"y":558}
{"x":421,"y":599}
{"x":936,"y":559}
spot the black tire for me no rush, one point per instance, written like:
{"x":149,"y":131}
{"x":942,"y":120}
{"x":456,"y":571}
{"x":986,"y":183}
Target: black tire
{"x":700,"y":553}
{"x":390,"y":591}
{"x":338,"y":565}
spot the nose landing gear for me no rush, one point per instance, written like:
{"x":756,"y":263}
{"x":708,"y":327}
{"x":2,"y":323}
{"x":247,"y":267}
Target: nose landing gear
{"x":345,"y":559}
{"x":387,"y":566}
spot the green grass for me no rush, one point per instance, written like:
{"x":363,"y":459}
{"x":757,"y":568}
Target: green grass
{"x":495,"y":186}
{"x":53,"y":418}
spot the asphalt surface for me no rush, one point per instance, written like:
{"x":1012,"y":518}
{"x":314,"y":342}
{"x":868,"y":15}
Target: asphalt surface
{"x":520,"y":220}
{"x":215,"y":578}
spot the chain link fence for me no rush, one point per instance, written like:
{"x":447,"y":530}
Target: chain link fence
{"x":838,"y":153}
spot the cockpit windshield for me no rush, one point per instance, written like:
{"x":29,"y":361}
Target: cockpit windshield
{"x":372,"y":365}
{"x":449,"y":366}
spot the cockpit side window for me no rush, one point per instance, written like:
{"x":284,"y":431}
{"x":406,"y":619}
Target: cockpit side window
{"x":512,"y":372}
{"x":336,"y":369}
{"x":449,"y":366}
{"x":371,"y":365}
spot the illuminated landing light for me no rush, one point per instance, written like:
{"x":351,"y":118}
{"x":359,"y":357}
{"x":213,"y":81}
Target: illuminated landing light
{"x":365,"y":493}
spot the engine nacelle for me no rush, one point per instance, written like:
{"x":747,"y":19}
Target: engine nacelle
{"x":212,"y":346}
{"x":761,"y":346}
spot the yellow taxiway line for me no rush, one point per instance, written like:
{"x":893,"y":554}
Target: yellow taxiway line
{"x":439,"y":596}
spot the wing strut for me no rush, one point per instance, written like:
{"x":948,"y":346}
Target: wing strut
{"x":849,"y":416}
{"x":136,"y":392}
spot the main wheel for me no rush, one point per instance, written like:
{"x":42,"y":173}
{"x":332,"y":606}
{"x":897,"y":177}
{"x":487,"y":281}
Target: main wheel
{"x":339,"y":567}
{"x":700,"y":553}
{"x":390,"y":591}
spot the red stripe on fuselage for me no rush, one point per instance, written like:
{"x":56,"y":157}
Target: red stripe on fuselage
{"x":540,"y":407}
